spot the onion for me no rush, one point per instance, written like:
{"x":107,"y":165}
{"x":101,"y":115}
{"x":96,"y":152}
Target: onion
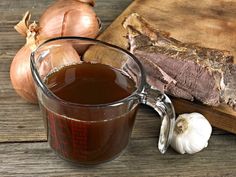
{"x":69,"y":18}
{"x":20,"y":73}
{"x":21,"y":77}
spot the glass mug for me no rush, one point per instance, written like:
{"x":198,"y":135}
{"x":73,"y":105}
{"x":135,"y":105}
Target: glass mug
{"x":73,"y":130}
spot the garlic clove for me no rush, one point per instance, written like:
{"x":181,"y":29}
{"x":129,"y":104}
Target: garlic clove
{"x":191,"y":133}
{"x":177,"y":144}
{"x":195,"y":144}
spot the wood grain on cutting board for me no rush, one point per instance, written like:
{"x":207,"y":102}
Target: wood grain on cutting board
{"x":209,"y":23}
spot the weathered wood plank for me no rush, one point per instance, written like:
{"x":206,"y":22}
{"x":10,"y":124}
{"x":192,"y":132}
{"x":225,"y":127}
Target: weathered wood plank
{"x":141,"y":158}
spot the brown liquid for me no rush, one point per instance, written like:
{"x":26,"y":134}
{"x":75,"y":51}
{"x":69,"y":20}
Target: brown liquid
{"x":88,"y":83}
{"x":87,"y":138}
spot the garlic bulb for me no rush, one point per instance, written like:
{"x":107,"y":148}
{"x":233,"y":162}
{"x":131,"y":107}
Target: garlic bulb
{"x":191,"y":133}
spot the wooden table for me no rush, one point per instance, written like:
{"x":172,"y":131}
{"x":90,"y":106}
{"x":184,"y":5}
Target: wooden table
{"x":23,"y":147}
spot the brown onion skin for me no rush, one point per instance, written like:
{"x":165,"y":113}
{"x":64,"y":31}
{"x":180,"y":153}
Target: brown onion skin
{"x":21,"y":77}
{"x":69,"y":18}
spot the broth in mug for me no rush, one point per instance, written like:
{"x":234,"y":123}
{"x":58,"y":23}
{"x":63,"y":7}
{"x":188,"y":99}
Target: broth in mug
{"x":83,"y":136}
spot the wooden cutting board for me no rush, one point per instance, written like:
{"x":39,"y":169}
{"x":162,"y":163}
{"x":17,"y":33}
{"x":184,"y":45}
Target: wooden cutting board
{"x":209,"y":23}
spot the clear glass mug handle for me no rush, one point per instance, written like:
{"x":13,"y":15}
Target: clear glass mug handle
{"x":162,"y":104}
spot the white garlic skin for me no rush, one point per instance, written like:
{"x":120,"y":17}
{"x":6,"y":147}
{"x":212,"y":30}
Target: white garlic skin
{"x":196,"y":135}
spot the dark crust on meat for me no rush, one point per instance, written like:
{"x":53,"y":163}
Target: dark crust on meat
{"x":213,"y":58}
{"x":145,"y":39}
